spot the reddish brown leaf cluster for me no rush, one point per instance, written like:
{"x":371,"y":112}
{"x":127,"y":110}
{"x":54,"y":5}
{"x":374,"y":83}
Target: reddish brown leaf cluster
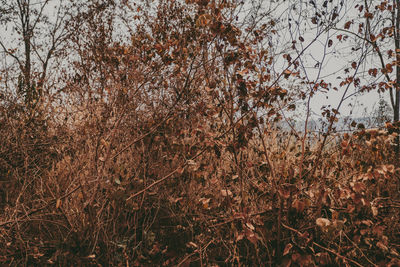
{"x":170,"y":148}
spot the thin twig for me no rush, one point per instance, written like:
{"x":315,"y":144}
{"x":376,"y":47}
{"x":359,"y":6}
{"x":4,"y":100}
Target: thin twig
{"x":362,"y":253}
{"x":39,"y":209}
{"x":167,"y":176}
{"x":322,"y":247}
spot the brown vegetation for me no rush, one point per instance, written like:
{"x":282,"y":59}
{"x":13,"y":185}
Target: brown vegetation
{"x":167,"y":151}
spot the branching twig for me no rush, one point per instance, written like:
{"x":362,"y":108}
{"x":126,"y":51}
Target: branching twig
{"x":167,"y":176}
{"x":322,"y":247}
{"x":359,"y":249}
{"x":39,"y":209}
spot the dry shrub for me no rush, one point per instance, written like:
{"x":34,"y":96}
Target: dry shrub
{"x":86,"y":198}
{"x":161,"y":159}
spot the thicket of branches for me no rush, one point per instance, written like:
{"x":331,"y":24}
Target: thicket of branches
{"x":162,"y":133}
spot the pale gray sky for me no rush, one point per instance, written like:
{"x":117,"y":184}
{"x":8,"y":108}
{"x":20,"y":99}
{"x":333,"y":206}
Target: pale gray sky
{"x":332,"y":63}
{"x":333,"y":59}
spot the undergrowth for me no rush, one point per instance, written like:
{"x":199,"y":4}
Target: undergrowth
{"x":179,"y":195}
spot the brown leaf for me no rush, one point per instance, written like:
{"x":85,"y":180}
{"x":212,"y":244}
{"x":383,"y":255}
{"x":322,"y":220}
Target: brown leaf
{"x":368,"y":15}
{"x":226,"y":193}
{"x":250,"y":226}
{"x":373,"y":72}
{"x":314,"y":20}
{"x":287,"y":249}
{"x":382,"y":246}
{"x":389,"y":68}
{"x":287,"y":73}
{"x":284,"y":192}
{"x":299,"y":205}
{"x":58,"y":203}
{"x":323,"y":223}
{"x":251,"y":236}
{"x":359,"y":187}
{"x":180,"y":170}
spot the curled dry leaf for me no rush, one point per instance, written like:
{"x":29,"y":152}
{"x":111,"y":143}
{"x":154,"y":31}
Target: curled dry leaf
{"x":374,"y":211}
{"x":180,"y":170}
{"x":58,"y":203}
{"x":205,"y":202}
{"x":239,"y":237}
{"x":323,"y":223}
{"x":250,"y":226}
{"x":226,"y":193}
{"x":382,"y":246}
{"x":287,"y":249}
{"x":191,"y":245}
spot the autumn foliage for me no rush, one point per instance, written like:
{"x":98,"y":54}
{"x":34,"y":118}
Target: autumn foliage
{"x":169,"y":148}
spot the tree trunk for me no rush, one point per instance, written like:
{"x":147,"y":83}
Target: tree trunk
{"x":397,"y":49}
{"x":396,"y":102}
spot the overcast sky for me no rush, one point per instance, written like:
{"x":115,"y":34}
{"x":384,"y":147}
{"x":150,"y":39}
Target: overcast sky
{"x":332,"y":63}
{"x":333,"y":60}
